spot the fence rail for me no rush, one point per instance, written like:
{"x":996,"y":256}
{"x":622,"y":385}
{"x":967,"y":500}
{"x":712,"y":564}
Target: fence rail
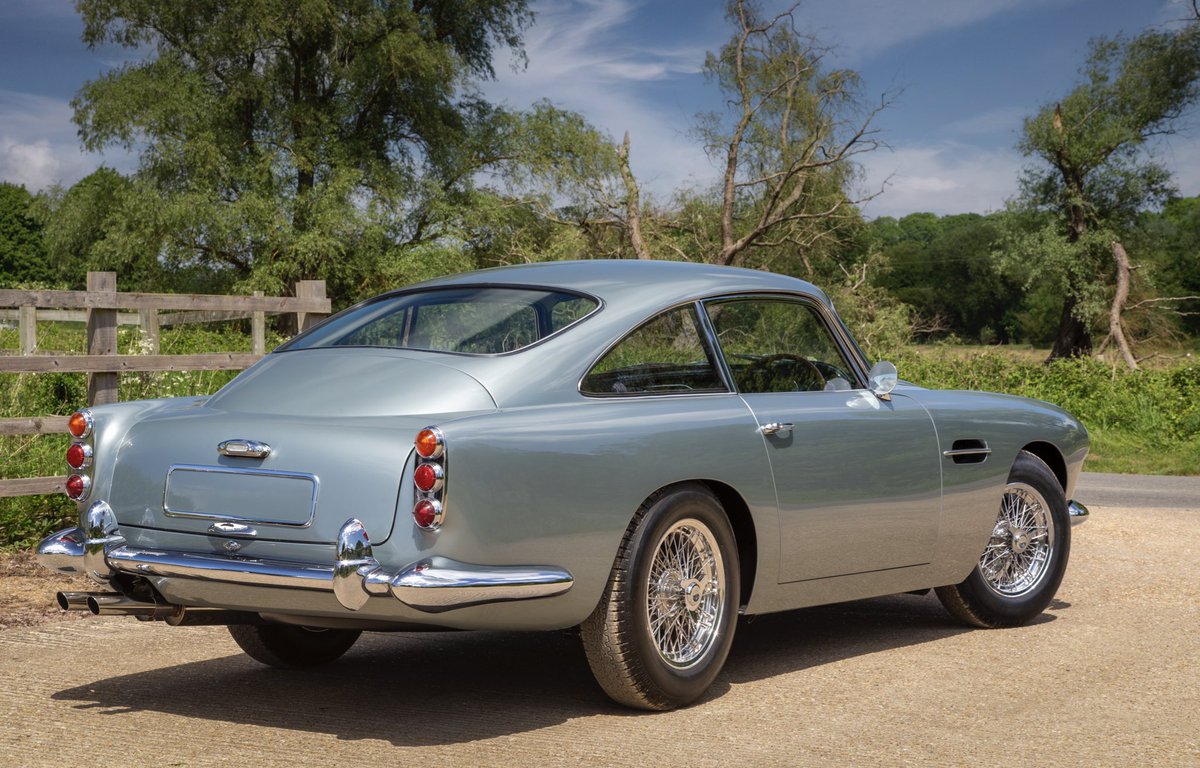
{"x":102,"y":307}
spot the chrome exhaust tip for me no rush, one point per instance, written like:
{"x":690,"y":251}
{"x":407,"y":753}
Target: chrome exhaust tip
{"x":116,"y":604}
{"x":73,"y":601}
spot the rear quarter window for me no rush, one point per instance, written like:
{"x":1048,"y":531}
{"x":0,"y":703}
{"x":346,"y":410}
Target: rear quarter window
{"x":662,"y":356}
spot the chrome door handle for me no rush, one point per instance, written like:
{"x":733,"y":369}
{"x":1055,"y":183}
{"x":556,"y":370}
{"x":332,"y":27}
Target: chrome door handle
{"x":775,"y":427}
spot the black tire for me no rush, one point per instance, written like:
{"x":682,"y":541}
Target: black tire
{"x":621,"y":647}
{"x":285,"y":646}
{"x":994,"y":602}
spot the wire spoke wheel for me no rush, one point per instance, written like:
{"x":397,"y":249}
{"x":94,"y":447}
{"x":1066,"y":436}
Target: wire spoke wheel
{"x":1016,"y":557}
{"x":662,"y":629}
{"x":685,"y":594}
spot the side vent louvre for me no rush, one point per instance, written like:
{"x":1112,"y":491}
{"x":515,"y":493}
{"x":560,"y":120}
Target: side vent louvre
{"x":970,"y":451}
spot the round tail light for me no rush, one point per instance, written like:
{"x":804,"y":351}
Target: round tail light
{"x":79,"y":455}
{"x":428,"y":477}
{"x":80,"y":424}
{"x":78,"y":486}
{"x":427,"y":513}
{"x":430,"y":444}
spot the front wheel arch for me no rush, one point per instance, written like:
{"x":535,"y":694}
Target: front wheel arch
{"x":1052,"y":458}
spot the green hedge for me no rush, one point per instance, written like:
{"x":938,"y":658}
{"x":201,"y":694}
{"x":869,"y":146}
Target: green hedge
{"x":1145,"y":421}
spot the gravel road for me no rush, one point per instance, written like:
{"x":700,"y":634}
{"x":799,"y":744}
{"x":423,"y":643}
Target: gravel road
{"x":1109,"y":676}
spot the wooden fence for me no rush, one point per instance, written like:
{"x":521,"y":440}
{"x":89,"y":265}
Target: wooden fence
{"x":102,"y":306}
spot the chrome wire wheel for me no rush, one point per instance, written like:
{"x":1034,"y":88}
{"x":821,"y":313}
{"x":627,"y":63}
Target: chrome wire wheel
{"x":685,"y":596}
{"x":1018,"y":554}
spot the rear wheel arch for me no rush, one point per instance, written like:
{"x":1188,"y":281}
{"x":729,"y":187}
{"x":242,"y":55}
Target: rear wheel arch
{"x":738,"y":512}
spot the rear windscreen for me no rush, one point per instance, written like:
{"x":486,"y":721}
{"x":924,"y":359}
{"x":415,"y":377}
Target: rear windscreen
{"x":476,"y":321}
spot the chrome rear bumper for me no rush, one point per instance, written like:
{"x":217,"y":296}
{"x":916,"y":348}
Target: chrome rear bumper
{"x":1079,"y":513}
{"x":432,"y":585}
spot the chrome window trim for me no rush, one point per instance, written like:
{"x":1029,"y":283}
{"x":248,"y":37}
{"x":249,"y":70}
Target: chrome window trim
{"x":185,"y":514}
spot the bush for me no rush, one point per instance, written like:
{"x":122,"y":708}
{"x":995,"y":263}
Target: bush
{"x":1145,"y":421}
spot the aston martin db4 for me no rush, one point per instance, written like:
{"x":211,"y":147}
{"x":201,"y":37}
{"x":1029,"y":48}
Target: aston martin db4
{"x":642,"y":450}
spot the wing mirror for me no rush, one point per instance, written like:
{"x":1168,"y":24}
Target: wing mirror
{"x":882,"y":379}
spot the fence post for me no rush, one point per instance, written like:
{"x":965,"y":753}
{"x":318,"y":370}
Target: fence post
{"x":102,"y":336}
{"x":27,"y":328}
{"x":148,"y":323}
{"x":309,"y":289}
{"x":258,"y":330}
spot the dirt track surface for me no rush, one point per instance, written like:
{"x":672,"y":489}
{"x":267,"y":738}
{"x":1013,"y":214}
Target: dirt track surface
{"x":1109,"y":676}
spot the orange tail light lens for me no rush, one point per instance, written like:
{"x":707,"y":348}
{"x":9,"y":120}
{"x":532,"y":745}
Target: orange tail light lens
{"x":430,"y":443}
{"x":80,"y":424}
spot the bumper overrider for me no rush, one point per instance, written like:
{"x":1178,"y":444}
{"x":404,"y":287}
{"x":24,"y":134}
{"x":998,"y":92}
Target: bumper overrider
{"x":432,"y":585}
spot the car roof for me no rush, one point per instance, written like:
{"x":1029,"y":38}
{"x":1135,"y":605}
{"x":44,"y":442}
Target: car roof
{"x":630,"y":282}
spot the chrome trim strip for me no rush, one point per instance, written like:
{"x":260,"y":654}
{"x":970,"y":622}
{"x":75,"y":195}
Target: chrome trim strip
{"x":968,"y":452}
{"x":1078,"y":513}
{"x":312,"y":512}
{"x":242,"y":448}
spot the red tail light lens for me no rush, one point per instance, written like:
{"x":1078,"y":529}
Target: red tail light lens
{"x":79,"y":455}
{"x":427,"y":513}
{"x":80,"y":424}
{"x":430,"y":443}
{"x":78,"y":486}
{"x":428,"y":477}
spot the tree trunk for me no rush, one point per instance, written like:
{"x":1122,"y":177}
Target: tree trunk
{"x":1118,"y":304}
{"x":1074,"y":339}
{"x":633,"y":205}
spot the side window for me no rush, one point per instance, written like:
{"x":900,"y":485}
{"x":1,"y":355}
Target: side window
{"x":776,"y":345}
{"x":664,"y":355}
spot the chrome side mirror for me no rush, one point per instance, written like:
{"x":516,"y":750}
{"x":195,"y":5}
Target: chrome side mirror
{"x":882,"y":379}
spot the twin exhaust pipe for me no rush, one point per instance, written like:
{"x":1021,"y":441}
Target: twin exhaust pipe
{"x":116,"y":604}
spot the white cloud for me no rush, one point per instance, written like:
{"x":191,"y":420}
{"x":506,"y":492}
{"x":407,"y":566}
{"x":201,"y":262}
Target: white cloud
{"x":39,"y":146}
{"x":944,"y":178}
{"x":581,"y":59}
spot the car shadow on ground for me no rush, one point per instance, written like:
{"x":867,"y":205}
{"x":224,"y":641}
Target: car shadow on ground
{"x":425,"y":689}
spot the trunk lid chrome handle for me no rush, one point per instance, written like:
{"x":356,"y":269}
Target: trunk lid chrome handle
{"x":224,"y":528}
{"x":242,"y":448}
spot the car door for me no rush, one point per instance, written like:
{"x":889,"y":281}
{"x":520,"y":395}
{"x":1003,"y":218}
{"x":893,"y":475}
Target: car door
{"x":857,"y":477}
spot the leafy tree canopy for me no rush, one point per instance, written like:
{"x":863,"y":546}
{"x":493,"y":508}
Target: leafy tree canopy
{"x":288,"y":139}
{"x":22,"y":248}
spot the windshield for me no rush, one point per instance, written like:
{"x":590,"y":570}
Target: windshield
{"x":475,"y":321}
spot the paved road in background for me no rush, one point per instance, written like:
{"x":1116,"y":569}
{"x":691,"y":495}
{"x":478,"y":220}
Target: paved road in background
{"x":1107,"y":676}
{"x":1152,"y":491}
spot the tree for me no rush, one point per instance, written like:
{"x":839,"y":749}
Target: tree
{"x":944,"y":269}
{"x":284,"y":140}
{"x":22,"y":247}
{"x":88,"y":228}
{"x":1095,"y":177}
{"x":787,"y":141}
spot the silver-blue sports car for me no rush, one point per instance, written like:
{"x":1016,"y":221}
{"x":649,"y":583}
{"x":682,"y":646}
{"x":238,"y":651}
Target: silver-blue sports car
{"x":642,"y":450}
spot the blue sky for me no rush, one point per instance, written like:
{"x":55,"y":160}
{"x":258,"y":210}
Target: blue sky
{"x":966,"y":72}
